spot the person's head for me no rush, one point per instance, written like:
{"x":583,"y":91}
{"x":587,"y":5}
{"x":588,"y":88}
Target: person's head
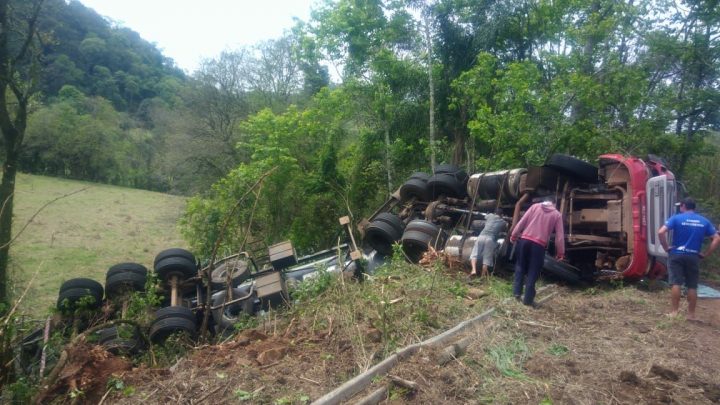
{"x":548,"y":200}
{"x":687,"y":204}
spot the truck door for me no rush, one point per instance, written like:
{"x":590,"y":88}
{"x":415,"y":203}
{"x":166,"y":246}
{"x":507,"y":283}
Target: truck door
{"x":661,"y":195}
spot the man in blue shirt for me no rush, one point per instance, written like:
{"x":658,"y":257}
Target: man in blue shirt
{"x":689,"y":230}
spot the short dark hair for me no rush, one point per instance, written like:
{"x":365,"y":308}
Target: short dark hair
{"x":688,"y":203}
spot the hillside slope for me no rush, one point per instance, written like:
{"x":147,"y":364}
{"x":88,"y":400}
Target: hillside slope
{"x":83,"y":234}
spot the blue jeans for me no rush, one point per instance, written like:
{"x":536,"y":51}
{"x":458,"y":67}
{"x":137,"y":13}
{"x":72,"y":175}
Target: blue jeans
{"x":530,"y":259}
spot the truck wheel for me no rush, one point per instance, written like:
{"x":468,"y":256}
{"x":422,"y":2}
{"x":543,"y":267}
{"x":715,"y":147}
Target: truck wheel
{"x":175,"y":266}
{"x":238,"y":270}
{"x":561,"y":270}
{"x":420,"y":176}
{"x":86,"y":283}
{"x":390,"y":219}
{"x":173,"y":252}
{"x":414,"y":188}
{"x":116,"y":343}
{"x":122,"y":282}
{"x":175,"y":312}
{"x":454,"y":170}
{"x":69,"y":300}
{"x":573,"y":167}
{"x":381,"y":236}
{"x":125,"y":268}
{"x":420,"y":234}
{"x":445,"y":185}
{"x":171,"y":320}
{"x":76,"y":289}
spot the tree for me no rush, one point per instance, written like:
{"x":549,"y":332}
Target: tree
{"x":18,"y":82}
{"x":275,"y":74}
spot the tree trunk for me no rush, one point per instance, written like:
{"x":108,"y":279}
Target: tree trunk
{"x":7,"y":190}
{"x":432,"y":95}
{"x":13,"y":117}
{"x":388,"y":160}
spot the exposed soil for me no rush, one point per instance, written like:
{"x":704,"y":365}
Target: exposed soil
{"x":580,"y":347}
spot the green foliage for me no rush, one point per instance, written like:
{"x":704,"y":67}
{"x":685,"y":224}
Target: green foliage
{"x":509,"y":358}
{"x":242,"y":395}
{"x":140,"y":304}
{"x":116,"y":384}
{"x":246,"y":321}
{"x":312,"y":288}
{"x":81,"y":137}
{"x":20,"y":391}
{"x":558,"y":350}
{"x":459,"y":289}
{"x":298,"y":197}
{"x":175,"y":347}
{"x":546,"y":401}
{"x":84,"y":306}
{"x":101,"y":59}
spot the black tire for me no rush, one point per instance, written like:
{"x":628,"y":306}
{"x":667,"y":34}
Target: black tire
{"x":414,"y":188}
{"x":68,"y":299}
{"x":175,"y":266}
{"x":381,"y":236}
{"x":446,"y":168}
{"x":161,"y":329}
{"x":420,"y":176}
{"x":415,"y":244}
{"x":173,"y":252}
{"x":390,"y":219}
{"x":86,"y":283}
{"x":418,"y":236}
{"x":121,"y":347}
{"x":116,"y":344}
{"x":445,"y":185}
{"x":423,"y":226}
{"x":120,"y":283}
{"x":239,"y":272}
{"x":125,"y":268}
{"x":175,"y":312}
{"x":227,"y":317}
{"x":454,"y":170}
{"x":33,"y":337}
{"x":573,"y":167}
{"x":561,"y":270}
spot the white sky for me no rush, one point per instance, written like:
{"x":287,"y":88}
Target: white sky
{"x":190,"y":30}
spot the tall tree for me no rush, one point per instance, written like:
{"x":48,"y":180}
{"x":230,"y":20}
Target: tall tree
{"x":18,"y":80}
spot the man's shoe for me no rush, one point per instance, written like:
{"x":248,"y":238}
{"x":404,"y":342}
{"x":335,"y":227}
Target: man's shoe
{"x":534,"y":305}
{"x":518,"y":298}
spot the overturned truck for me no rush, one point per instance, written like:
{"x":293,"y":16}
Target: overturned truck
{"x":611,"y":213}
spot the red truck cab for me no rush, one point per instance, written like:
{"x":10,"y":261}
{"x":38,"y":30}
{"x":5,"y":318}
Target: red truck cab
{"x":611,"y":219}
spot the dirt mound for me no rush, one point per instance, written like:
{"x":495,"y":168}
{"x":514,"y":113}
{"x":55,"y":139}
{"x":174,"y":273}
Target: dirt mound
{"x":87,"y":372}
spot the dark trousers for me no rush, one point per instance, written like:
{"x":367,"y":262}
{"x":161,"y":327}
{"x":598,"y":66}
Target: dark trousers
{"x":530,"y":259}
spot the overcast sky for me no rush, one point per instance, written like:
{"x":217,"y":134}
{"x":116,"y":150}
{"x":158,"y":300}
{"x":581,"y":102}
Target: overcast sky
{"x":189,"y":30}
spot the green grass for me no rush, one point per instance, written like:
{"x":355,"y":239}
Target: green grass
{"x":510,"y":357}
{"x":84,"y":234}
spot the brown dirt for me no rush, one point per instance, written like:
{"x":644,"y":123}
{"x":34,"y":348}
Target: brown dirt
{"x":88,"y":369}
{"x":620,"y":349}
{"x":581,"y":347}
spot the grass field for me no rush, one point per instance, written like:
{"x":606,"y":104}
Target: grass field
{"x":84,"y":234}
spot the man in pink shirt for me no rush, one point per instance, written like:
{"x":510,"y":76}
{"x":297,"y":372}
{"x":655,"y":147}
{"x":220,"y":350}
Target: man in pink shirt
{"x":532,"y":234}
